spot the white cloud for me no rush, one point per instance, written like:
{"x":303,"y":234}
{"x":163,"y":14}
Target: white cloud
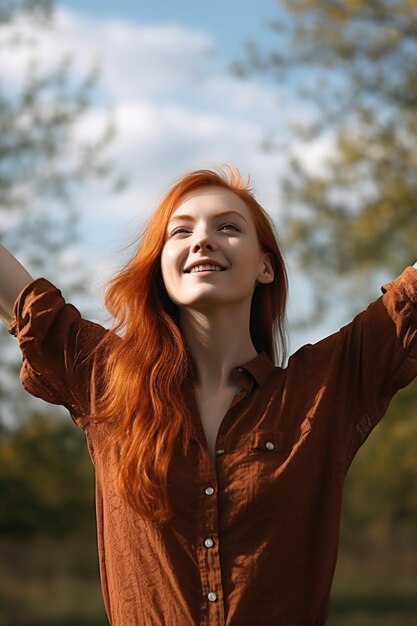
{"x":240,"y":96}
{"x":156,"y":143}
{"x":136,"y":60}
{"x":175,"y":110}
{"x":313,"y":154}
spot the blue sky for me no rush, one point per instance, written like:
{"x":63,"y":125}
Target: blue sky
{"x":165,"y":79}
{"x":229,"y":22}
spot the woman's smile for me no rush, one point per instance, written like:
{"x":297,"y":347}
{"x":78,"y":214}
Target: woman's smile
{"x":206,"y":272}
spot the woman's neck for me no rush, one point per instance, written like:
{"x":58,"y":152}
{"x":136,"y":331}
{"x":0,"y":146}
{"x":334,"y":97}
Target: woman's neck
{"x":218,"y":344}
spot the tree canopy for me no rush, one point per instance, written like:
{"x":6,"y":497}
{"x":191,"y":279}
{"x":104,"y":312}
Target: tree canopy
{"x":44,"y":162}
{"x":352,"y":70}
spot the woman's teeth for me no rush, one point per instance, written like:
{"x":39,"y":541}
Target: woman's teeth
{"x":205,"y":268}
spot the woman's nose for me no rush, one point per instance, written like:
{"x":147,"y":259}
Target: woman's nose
{"x":203,"y":241}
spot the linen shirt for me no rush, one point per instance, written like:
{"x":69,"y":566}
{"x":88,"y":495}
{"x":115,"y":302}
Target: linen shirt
{"x":254,"y":537}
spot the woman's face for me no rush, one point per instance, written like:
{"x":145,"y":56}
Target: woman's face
{"x":212,"y":223}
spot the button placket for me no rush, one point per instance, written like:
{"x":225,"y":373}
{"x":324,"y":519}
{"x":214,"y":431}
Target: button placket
{"x":208,"y":552}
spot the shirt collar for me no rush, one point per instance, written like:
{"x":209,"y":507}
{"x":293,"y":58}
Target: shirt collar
{"x":259,"y":367}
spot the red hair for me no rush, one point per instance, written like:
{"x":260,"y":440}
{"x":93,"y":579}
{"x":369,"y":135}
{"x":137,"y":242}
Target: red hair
{"x":144,"y":375}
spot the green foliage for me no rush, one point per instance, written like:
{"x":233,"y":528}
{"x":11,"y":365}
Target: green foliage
{"x":46,"y":479}
{"x":40,"y":156}
{"x":354,"y":67}
{"x":37,"y":9}
{"x":380,"y":496}
{"x":45,"y":163}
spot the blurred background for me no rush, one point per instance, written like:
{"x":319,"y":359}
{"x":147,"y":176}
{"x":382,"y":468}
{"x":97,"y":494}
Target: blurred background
{"x":102,"y":106}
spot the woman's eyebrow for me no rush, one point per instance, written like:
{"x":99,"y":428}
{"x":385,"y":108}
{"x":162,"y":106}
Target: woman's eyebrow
{"x":176,"y":218}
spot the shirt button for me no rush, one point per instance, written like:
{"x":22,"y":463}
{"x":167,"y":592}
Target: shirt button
{"x":209,"y":542}
{"x":212,"y":596}
{"x":219,"y":452}
{"x":209,"y":491}
{"x":269,"y":445}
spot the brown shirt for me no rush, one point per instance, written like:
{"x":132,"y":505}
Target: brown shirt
{"x":254,"y":539}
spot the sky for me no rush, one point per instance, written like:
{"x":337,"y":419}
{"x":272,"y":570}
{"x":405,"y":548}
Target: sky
{"x":165,"y":77}
{"x":228,"y":23}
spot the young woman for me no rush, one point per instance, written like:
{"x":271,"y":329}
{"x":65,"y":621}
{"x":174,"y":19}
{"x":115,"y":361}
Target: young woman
{"x":219,"y":473}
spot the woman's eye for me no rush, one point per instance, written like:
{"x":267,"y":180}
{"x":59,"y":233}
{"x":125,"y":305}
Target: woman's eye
{"x":232,"y":225}
{"x":177,"y":230}
{"x":181,"y":228}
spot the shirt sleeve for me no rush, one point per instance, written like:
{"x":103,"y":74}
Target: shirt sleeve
{"x":381,"y":347}
{"x":351,"y":376}
{"x":56,"y":345}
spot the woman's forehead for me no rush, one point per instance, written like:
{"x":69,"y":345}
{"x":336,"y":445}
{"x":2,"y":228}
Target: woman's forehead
{"x":210,"y":199}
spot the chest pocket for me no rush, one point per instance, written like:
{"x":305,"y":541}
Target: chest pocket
{"x":275,"y":462}
{"x":275,"y":471}
{"x":272,"y":442}
{"x":269,"y":449}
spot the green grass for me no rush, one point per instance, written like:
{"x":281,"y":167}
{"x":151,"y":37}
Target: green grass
{"x":375,"y":587}
{"x":50,"y":583}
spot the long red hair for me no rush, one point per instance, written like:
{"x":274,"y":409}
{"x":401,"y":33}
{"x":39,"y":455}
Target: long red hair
{"x":144,"y":375}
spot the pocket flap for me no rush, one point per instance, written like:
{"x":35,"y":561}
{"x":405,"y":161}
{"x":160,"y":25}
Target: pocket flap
{"x":273,"y":440}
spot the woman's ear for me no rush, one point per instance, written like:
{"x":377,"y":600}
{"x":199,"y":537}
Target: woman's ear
{"x":267,"y":273}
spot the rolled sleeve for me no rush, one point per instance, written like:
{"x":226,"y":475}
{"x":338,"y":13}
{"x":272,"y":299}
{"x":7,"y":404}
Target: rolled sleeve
{"x":56,"y":345}
{"x":400,"y":303}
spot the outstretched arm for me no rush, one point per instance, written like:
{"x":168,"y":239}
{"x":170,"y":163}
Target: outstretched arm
{"x":13,"y":278}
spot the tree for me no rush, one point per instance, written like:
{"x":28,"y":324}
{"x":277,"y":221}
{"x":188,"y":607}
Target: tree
{"x":39,"y":156}
{"x":42,"y":163}
{"x":354,"y":67}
